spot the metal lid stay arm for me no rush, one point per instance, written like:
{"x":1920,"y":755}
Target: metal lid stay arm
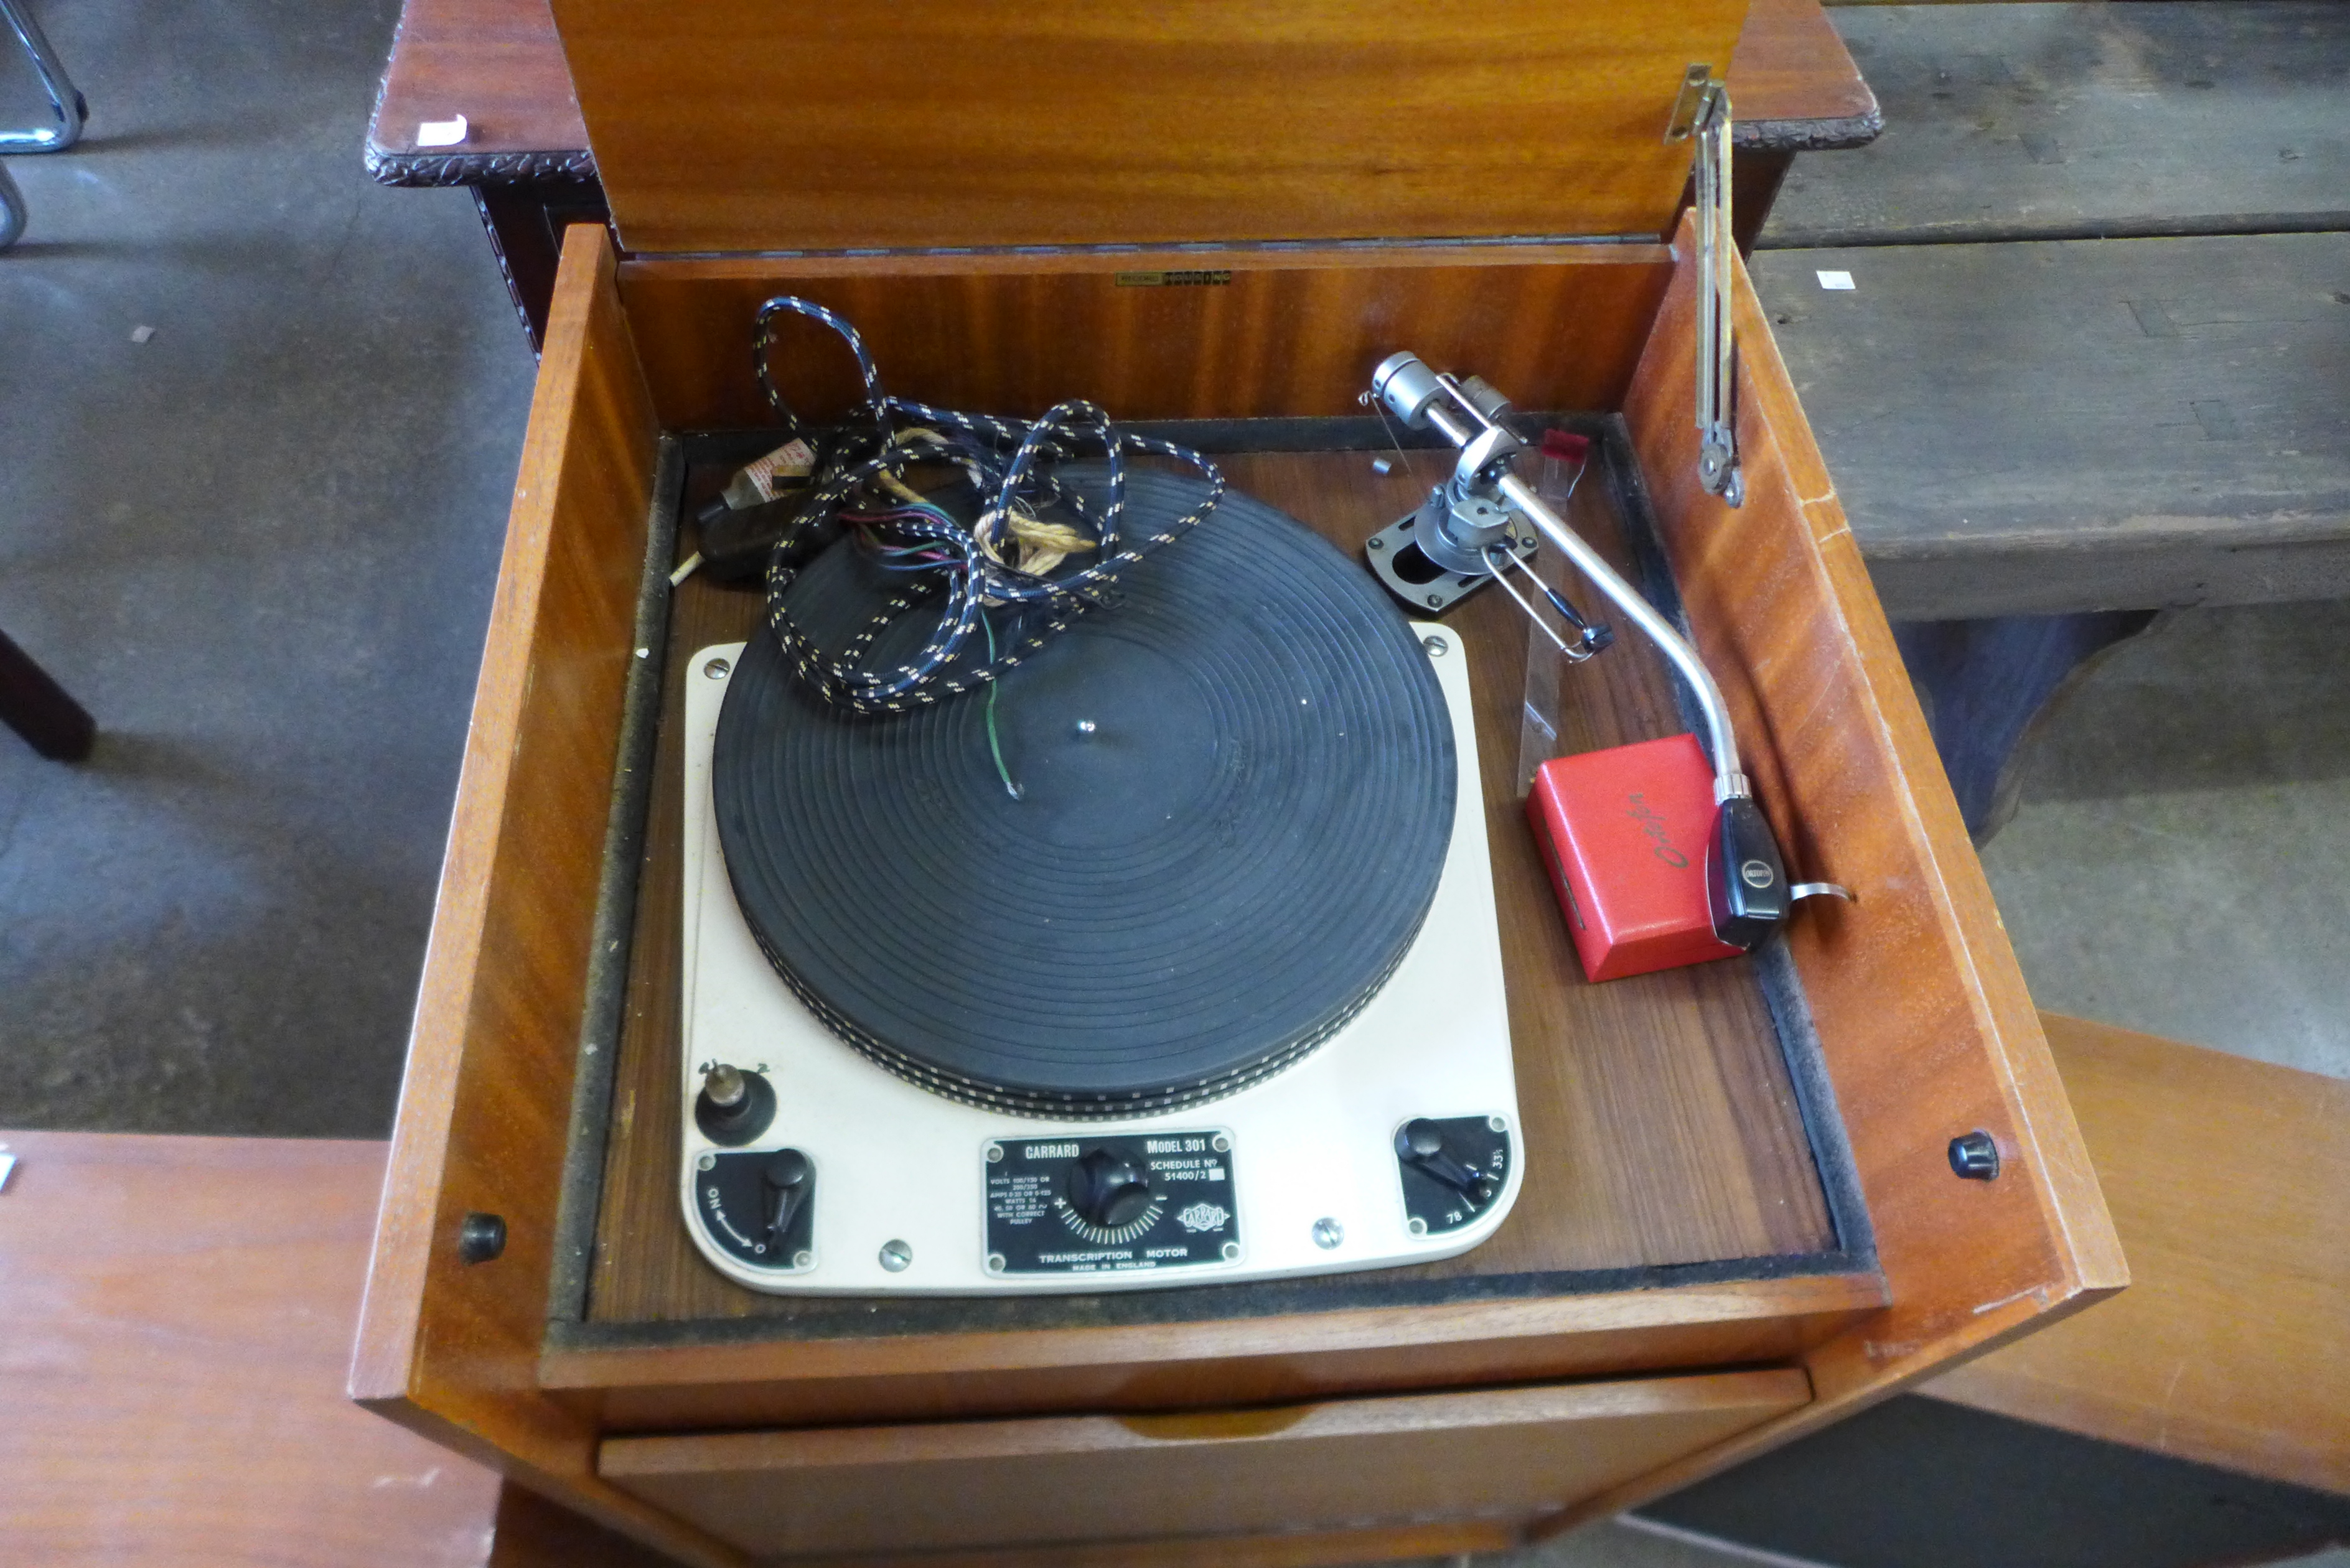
{"x":1702,"y":112}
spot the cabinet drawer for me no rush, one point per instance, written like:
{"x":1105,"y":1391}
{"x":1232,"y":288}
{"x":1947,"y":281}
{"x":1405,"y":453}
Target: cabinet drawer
{"x":1509,"y":1454}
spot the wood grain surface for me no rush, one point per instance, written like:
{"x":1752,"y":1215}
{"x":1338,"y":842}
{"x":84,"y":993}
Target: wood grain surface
{"x":739,"y":126}
{"x":500,"y":62}
{"x":1286,"y":1548}
{"x":2136,"y":423}
{"x":1274,"y":333}
{"x":2231,"y":1347}
{"x":175,"y":1317}
{"x":1496,"y":1454}
{"x":446,"y":1346}
{"x":497,"y":62}
{"x":1922,"y":1014}
{"x":1792,"y":84}
{"x":2075,"y":121}
{"x":533,"y":1532}
{"x":1663,"y":1102}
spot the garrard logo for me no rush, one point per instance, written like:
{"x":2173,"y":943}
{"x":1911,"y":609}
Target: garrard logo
{"x":1202,"y":1217}
{"x":1653,"y":825}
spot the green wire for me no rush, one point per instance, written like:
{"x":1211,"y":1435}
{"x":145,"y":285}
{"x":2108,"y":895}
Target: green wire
{"x":995,"y":746}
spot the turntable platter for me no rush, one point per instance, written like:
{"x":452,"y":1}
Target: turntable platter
{"x":1236,"y":793}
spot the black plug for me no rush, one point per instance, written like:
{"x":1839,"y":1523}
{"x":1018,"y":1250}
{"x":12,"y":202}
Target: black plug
{"x":735,"y":544}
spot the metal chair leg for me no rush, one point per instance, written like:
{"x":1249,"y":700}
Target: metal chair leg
{"x":12,"y":209}
{"x":72,"y":108}
{"x":34,"y":705}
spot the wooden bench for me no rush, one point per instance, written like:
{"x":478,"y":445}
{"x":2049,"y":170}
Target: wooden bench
{"x":2201,"y":1415}
{"x":2230,"y":1182}
{"x":175,"y":1320}
{"x":2090,"y":365}
{"x":175,"y":1325}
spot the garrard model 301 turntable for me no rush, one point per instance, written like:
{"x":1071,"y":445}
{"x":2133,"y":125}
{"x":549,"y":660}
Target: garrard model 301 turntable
{"x":1167,"y":957}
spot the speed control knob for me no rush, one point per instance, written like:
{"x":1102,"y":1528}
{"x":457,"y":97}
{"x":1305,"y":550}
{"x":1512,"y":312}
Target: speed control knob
{"x":1108,"y":1189}
{"x":1421,"y":1143}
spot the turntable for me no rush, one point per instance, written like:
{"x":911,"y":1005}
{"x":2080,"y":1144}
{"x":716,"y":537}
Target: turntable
{"x":1733,"y":1216}
{"x":1216,"y":995}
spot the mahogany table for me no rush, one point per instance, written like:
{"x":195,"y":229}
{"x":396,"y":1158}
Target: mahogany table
{"x":1793,"y":86}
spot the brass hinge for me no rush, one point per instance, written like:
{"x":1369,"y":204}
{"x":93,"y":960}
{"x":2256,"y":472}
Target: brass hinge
{"x":1688,"y":102}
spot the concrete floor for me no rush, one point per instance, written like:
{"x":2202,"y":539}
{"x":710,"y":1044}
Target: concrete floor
{"x":2177,"y":864}
{"x":260,"y":547}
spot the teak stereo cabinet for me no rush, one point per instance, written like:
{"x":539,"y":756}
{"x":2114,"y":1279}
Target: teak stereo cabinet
{"x":1740,"y":1221}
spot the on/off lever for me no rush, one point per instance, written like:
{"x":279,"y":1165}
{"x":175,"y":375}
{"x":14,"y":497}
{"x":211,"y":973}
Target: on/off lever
{"x":1421,"y":1143}
{"x":786,"y":1182}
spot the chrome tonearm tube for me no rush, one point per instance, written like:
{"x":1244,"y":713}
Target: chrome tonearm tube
{"x":1745,"y":908}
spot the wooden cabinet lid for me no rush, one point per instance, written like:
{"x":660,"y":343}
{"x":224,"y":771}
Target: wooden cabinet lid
{"x":756,"y":124}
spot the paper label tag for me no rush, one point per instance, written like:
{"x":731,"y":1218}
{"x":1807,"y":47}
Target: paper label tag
{"x":761,"y":481}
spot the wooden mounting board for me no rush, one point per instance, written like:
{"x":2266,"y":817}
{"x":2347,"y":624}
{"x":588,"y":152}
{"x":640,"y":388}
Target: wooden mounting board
{"x":1663,"y":1126}
{"x":740,"y":126}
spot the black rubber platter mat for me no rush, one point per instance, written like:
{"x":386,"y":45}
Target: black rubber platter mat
{"x":1237,"y":788}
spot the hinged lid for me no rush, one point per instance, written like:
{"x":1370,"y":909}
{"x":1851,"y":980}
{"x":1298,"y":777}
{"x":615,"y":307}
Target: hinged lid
{"x":756,"y":124}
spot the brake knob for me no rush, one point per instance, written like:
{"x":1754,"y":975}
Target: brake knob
{"x":734,"y":1107}
{"x":1420,"y":1142}
{"x":785,"y":1183}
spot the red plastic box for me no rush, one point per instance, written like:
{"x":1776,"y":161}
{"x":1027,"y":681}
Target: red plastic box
{"x":1625,"y":832}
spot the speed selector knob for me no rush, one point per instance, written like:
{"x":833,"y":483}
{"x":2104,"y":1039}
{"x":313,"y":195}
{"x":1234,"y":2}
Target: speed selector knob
{"x":1420,"y":1142}
{"x":1108,"y":1189}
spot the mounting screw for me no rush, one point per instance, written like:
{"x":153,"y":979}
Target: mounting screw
{"x":1975,"y":1157}
{"x":802,"y":1259}
{"x":481,"y":1238}
{"x":1436,"y":601}
{"x":1416,"y":1225}
{"x":1328,"y":1234}
{"x":1231,"y":1251}
{"x":896,"y":1257}
{"x":995,"y":1262}
{"x":716,"y":669}
{"x":1437,"y":647}
{"x":995,"y":1154}
{"x":1220,"y":1144}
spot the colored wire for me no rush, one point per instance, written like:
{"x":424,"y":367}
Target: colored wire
{"x":1013,"y":467}
{"x":995,"y":746}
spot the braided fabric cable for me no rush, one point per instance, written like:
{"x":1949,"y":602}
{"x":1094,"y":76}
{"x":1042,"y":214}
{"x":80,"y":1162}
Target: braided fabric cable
{"x":1011,"y":465}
